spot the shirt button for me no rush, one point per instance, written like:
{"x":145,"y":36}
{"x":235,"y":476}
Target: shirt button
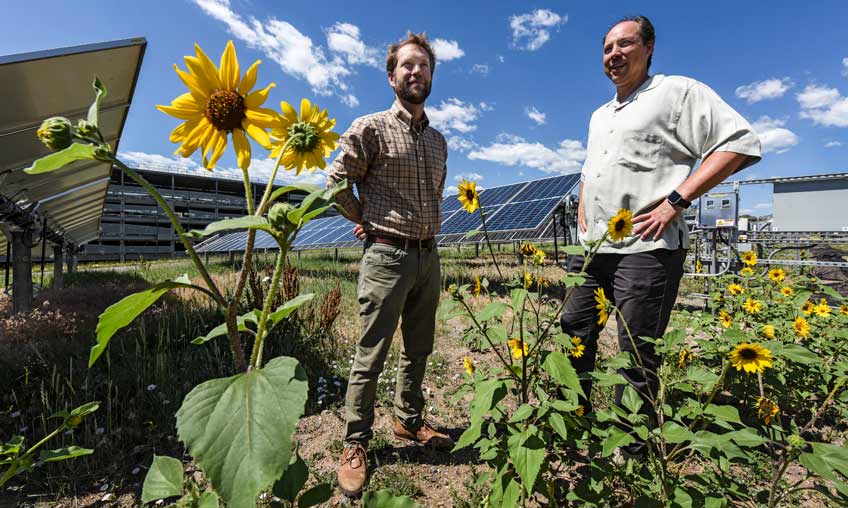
{"x":612,"y":130}
{"x":605,"y":152}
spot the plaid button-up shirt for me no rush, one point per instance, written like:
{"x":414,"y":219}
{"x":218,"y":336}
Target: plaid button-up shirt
{"x":399,"y":171}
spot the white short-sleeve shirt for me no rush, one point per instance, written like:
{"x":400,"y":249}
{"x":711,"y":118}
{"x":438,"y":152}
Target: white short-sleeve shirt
{"x":642,"y":148}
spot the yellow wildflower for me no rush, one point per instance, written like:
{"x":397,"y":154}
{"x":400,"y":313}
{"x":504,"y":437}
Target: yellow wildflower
{"x":735,"y":289}
{"x":528,"y":280}
{"x":808,"y":307}
{"x":725,"y":319}
{"x":310,"y":138}
{"x":749,"y":258}
{"x":746,"y":272}
{"x":602,"y":306}
{"x":843,"y":309}
{"x":475,"y":290}
{"x":578,"y":349}
{"x":766,"y":409}
{"x":518,"y":347}
{"x":768,"y":331}
{"x":468,"y":196}
{"x":801,"y":327}
{"x":750,"y":357}
{"x":469,"y":365}
{"x":787,"y":291}
{"x":580,"y":411}
{"x":776,"y":275}
{"x":620,"y":225}
{"x":685,"y":357}
{"x":752,"y":306}
{"x":822,"y":309}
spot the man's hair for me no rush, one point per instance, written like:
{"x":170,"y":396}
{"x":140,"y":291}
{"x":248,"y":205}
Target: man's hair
{"x":419,"y":40}
{"x":646,"y":31}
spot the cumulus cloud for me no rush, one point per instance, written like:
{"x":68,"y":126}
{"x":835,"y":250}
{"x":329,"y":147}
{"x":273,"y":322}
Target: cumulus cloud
{"x":468,"y":176}
{"x":480,"y":69}
{"x":296,"y":54}
{"x":454,"y":115}
{"x":535,"y":115}
{"x":832,"y":144}
{"x":446,"y":50}
{"x":845,"y":66}
{"x":452,"y":189}
{"x":461,"y":144}
{"x":757,"y":91}
{"x":774,"y":137}
{"x":531,"y":31}
{"x":515,"y":151}
{"x":824,"y":106}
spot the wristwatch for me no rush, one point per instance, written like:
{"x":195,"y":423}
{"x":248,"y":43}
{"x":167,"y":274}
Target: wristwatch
{"x":675,"y":199}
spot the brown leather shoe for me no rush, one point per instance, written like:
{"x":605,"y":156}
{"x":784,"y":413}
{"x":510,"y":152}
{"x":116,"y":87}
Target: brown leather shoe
{"x":353,"y":469}
{"x":425,"y":435}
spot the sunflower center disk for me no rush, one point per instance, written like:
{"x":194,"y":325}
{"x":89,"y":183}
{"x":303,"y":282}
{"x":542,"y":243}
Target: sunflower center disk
{"x":748,"y":354}
{"x":305,"y":137}
{"x":225,"y":110}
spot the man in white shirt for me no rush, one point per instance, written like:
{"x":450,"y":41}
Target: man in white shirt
{"x":641,"y":150}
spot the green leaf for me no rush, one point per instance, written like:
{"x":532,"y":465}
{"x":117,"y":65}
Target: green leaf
{"x":799,"y":354}
{"x":631,"y":399}
{"x":164,"y":479}
{"x":527,"y":451}
{"x":491,"y":310}
{"x":522,"y":413}
{"x":316,"y":203}
{"x":122,"y":313}
{"x":220,"y":330}
{"x":571,"y":280}
{"x":802,"y":296}
{"x":246,"y":222}
{"x":385,"y":499}
{"x":830,"y":462}
{"x":615,"y":439}
{"x":497,"y":333}
{"x":473,"y":232}
{"x":559,"y":367}
{"x":608,"y":378}
{"x":85,"y":409}
{"x":487,"y":393}
{"x":725,"y":413}
{"x":288,"y":487}
{"x":518,"y":296}
{"x":60,"y":159}
{"x":306,"y":188}
{"x":318,"y":494}
{"x":702,"y":376}
{"x":574,"y":250}
{"x":208,"y":499}
{"x":256,"y":412}
{"x":745,"y":437}
{"x":673,"y":432}
{"x":99,"y":94}
{"x":558,"y":424}
{"x":69,"y":452}
{"x":287,"y":308}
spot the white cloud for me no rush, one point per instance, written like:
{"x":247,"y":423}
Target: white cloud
{"x":762,"y":206}
{"x":461,"y":144}
{"x":454,"y":115}
{"x":344,"y":38}
{"x":500,"y":58}
{"x":451,"y":189}
{"x":295,"y":53}
{"x":468,"y":176}
{"x":480,"y":69}
{"x":260,"y":168}
{"x":485,"y":106}
{"x":845,"y":66}
{"x":774,"y":137}
{"x":446,"y":50}
{"x":761,"y":90}
{"x":505,"y":137}
{"x":824,"y":106}
{"x":531,"y":31}
{"x":565,"y":159}
{"x":832,"y":144}
{"x":535,"y":115}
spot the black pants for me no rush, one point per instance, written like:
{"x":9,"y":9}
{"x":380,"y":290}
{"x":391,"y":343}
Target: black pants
{"x":644,"y":287}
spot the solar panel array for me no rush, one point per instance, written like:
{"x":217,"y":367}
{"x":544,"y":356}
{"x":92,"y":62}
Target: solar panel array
{"x":519,"y":211}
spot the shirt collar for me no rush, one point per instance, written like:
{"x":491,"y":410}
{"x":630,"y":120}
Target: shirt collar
{"x":651,"y":82}
{"x":403,"y":115}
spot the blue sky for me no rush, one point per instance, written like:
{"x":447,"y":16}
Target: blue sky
{"x":516,"y":82}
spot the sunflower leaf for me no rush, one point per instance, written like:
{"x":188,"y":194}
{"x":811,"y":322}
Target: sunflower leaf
{"x":164,"y":479}
{"x":304,"y":187}
{"x":246,"y":222}
{"x":58,"y":160}
{"x":99,"y":94}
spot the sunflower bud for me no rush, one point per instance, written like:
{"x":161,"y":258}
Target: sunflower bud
{"x":86,"y":128}
{"x":453,"y":290}
{"x":56,"y":133}
{"x":278,"y":215}
{"x":74,"y":421}
{"x":796,"y":444}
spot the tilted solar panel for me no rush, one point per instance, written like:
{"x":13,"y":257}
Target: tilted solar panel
{"x":524,"y":215}
{"x":547,"y":188}
{"x":499,"y":195}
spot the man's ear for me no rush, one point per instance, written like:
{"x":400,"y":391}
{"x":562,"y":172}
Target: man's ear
{"x":391,"y":76}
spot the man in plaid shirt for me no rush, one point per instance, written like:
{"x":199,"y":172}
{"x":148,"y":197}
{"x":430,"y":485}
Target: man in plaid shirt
{"x":397,"y":162}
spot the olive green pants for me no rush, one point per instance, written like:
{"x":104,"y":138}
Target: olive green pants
{"x":393,"y":284}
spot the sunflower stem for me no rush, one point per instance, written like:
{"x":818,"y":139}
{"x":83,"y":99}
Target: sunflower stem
{"x":256,"y":354}
{"x":497,"y":351}
{"x":488,"y":243}
{"x":248,"y":193}
{"x":263,"y":204}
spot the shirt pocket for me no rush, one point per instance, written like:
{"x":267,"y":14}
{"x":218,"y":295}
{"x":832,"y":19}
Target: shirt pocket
{"x":379,"y":254}
{"x":640,"y":151}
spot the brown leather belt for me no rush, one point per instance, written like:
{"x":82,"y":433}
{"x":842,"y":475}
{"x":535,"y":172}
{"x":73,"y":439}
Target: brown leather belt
{"x":402,"y":243}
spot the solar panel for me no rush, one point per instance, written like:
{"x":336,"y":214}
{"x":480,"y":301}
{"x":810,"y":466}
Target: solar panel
{"x":450,"y":203}
{"x":462,"y":221}
{"x":499,"y":195}
{"x":524,"y":215}
{"x":548,"y":188}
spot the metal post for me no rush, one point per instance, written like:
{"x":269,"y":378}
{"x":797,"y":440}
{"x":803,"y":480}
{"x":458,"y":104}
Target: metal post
{"x":22,"y":278}
{"x":57,"y":267}
{"x":476,"y":249}
{"x":556,"y":250}
{"x":72,"y":261}
{"x":8,"y":262}
{"x":335,"y":255}
{"x":43,"y":249}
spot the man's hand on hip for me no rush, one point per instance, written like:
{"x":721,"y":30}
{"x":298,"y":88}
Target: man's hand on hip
{"x":359,"y":232}
{"x":655,"y":221}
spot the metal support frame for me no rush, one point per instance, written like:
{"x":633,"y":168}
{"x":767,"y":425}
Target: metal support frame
{"x":58,"y":261}
{"x":22,"y":276}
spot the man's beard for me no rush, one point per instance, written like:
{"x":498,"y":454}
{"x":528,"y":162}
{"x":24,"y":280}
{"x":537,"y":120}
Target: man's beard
{"x":406,"y":93}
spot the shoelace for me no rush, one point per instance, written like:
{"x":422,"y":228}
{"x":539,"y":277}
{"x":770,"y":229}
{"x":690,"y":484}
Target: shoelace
{"x":358,"y":453}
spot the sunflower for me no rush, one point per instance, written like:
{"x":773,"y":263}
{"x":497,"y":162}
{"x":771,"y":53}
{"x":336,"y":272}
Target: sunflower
{"x":468,"y":196}
{"x":219,"y":102}
{"x":528,"y":280}
{"x":477,"y":287}
{"x":752,"y":306}
{"x":620,"y":225}
{"x":698,"y":266}
{"x":808,"y":307}
{"x":746,"y":272}
{"x":725,"y":319}
{"x":527,"y":249}
{"x":822,"y":309}
{"x":469,"y":365}
{"x":539,"y":257}
{"x":749,"y":258}
{"x":801,"y":327}
{"x":735,"y":289}
{"x":787,"y":291}
{"x":309,"y":137}
{"x":602,"y":306}
{"x":750,"y":357}
{"x":766,"y":409}
{"x":768,"y":331}
{"x":776,"y":275}
{"x":685,"y":357}
{"x":578,"y":349}
{"x":580,"y":411}
{"x":518,"y":347}
{"x":843,"y":309}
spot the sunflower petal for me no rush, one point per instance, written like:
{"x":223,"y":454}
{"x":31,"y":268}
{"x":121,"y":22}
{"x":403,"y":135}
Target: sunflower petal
{"x":242,"y":148}
{"x":195,"y":84}
{"x":229,"y":67}
{"x":305,"y":109}
{"x":202,"y":73}
{"x":257,"y":133}
{"x":249,"y":79}
{"x":288,"y":111}
{"x":258,"y":97}
{"x":183,"y":113}
{"x":262,"y":117}
{"x":207,"y":68}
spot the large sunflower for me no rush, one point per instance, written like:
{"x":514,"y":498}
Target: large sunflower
{"x":787,"y":291}
{"x":602,"y":305}
{"x":822,"y":309}
{"x":620,"y":225}
{"x":311,"y":136}
{"x":219,"y":102}
{"x":750,"y":357}
{"x":801,"y":327}
{"x":468,"y":196}
{"x":752,"y":306}
{"x":735,"y":289}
